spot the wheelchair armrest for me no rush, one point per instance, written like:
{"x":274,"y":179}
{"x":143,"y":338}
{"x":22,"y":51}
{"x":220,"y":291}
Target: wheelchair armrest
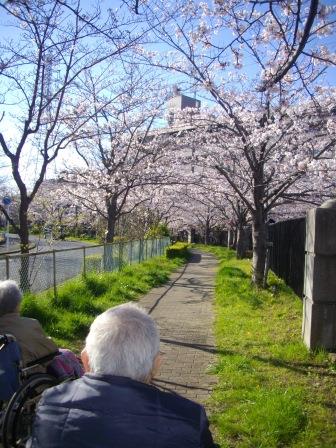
{"x":42,"y":360}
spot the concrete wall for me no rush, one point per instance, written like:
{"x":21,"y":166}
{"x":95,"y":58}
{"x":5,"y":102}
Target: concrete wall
{"x":319,"y":299}
{"x":178,"y":103}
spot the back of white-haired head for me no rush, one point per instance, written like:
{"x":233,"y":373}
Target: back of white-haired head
{"x":123,"y":341}
{"x":10,"y":297}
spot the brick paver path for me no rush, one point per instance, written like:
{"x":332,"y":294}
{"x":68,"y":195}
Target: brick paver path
{"x":183,"y":310}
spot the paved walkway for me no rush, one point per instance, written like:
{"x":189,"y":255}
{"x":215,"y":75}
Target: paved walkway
{"x":183,"y":309}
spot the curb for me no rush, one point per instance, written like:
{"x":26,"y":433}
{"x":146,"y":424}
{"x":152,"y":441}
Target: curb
{"x":32,"y":246}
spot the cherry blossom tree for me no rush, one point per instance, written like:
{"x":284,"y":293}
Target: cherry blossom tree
{"x":261,"y":63}
{"x":270,"y":41}
{"x":200,"y":215}
{"x":54,"y":210}
{"x":45,"y":49}
{"x":203,"y":203}
{"x":270,"y":160}
{"x":121,"y":154}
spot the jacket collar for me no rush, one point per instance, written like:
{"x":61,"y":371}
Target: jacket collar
{"x":119,"y":380}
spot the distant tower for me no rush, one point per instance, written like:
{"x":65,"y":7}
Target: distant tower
{"x":179,"y":102}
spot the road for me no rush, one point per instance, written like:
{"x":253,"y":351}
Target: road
{"x":68,"y":256}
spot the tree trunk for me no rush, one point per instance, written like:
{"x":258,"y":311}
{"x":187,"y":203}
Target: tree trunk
{"x":206,"y":232}
{"x":24,"y":245}
{"x":259,"y":237}
{"x":235,"y":236}
{"x":76,"y":221}
{"x":111,"y":222}
{"x":191,"y":235}
{"x":242,"y":242}
{"x":259,"y":228}
{"x":229,"y":238}
{"x":111,"y":205}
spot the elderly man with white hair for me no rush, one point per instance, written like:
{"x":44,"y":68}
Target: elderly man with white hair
{"x":114,"y":405}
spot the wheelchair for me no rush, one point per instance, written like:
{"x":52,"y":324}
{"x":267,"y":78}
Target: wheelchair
{"x":20,"y":392}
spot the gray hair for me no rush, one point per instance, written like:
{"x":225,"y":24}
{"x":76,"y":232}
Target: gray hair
{"x":10,"y":297}
{"x":123,"y":341}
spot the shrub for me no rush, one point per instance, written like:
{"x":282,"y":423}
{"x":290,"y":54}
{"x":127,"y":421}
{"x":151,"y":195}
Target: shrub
{"x":157,"y":231}
{"x":177,"y":250}
{"x":94,"y":263}
{"x":120,"y":239}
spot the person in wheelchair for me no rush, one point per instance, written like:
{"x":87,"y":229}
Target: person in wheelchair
{"x":32,"y":340}
{"x":26,"y":354}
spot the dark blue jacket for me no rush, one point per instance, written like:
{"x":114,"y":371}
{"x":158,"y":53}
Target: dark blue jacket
{"x":103,"y":411}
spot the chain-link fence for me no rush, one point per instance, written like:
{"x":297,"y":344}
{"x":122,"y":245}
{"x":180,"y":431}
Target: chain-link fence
{"x":39,"y":271}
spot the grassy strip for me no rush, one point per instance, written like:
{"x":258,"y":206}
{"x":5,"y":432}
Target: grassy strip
{"x":272,"y":391}
{"x":67,"y":318}
{"x":84,"y":239}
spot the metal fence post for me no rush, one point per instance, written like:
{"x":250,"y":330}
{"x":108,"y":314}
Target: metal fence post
{"x":104,"y":258}
{"x":140,"y":249}
{"x":7,"y":267}
{"x":54,"y":272}
{"x":120,"y":255}
{"x":84,"y":262}
{"x":131,"y":252}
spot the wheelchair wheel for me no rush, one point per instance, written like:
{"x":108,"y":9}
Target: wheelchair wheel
{"x":19,"y":414}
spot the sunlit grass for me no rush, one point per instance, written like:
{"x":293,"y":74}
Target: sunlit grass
{"x":85,"y":239}
{"x":67,"y":317}
{"x":272,"y":391}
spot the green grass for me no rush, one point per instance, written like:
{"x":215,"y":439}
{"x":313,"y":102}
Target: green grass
{"x":67,"y":317}
{"x":272,"y":392}
{"x":85,"y":239}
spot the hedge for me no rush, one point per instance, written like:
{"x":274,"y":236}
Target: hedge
{"x":179,"y":250}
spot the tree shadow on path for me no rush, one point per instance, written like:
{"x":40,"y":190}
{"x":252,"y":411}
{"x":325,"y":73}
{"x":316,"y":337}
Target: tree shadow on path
{"x":300,"y":367}
{"x":194,"y":258}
